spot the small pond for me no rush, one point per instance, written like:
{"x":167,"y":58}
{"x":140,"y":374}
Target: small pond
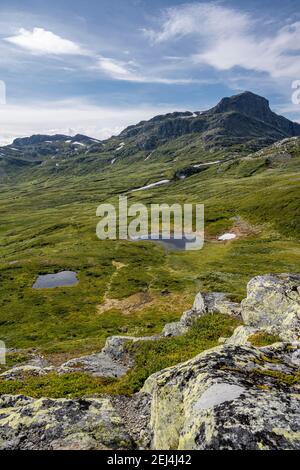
{"x":61,"y":279}
{"x":169,"y":244}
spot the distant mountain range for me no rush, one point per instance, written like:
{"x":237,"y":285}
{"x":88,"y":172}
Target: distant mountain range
{"x":241,"y":123}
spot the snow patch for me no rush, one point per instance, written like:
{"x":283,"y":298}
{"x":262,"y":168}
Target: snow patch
{"x":205,"y":164}
{"x":193,"y":115}
{"x":227,"y":236}
{"x":152,"y":185}
{"x":149,"y":156}
{"x":122,"y":144}
{"x":79,"y":143}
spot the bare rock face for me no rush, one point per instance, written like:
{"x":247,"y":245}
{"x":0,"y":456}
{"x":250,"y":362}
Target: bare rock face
{"x":46,"y":424}
{"x":230,"y":397}
{"x":273,"y":303}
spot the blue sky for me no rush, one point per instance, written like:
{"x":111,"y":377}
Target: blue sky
{"x":97,"y":66}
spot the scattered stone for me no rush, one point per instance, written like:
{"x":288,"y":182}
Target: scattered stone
{"x":97,"y":365}
{"x":135,"y":412}
{"x":20,"y":371}
{"x":175,"y":329}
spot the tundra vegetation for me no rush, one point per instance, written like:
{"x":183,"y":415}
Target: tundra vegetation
{"x":48,"y":224}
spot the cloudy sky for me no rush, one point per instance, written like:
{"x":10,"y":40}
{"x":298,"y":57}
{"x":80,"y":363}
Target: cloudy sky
{"x":96,"y":66}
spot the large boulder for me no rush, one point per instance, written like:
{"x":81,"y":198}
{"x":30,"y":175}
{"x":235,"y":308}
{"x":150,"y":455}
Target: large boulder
{"x":48,"y":424}
{"x":230,"y":397}
{"x":273,"y":303}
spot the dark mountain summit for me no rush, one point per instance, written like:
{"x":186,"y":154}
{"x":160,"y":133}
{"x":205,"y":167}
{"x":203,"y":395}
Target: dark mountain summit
{"x":245,"y":103}
{"x":256,"y":107}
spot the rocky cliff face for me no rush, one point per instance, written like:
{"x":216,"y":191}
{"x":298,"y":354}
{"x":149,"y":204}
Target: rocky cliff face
{"x":236,"y":396}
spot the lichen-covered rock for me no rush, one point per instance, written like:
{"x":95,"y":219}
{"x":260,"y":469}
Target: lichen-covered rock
{"x":211,"y":302}
{"x":18,"y":372}
{"x":97,"y":365}
{"x":205,"y":302}
{"x":112,"y":361}
{"x":241,"y":335}
{"x":226,"y":307}
{"x":85,"y":424}
{"x":176,"y":328}
{"x":274,"y":302}
{"x":230,"y":397}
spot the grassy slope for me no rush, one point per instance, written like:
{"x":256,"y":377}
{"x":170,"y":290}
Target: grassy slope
{"x":48,"y":224}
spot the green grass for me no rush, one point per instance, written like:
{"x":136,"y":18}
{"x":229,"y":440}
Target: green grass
{"x":149,"y":356}
{"x":262,"y":338}
{"x":48,"y":223}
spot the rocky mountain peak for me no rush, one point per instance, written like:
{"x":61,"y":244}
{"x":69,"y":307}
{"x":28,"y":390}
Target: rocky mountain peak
{"x":247,"y":103}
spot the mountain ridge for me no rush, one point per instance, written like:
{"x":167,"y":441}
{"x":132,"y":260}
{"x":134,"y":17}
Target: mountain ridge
{"x":240,"y":124}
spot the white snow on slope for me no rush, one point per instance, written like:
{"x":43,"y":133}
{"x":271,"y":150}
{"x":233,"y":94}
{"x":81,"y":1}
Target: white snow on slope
{"x":208,"y":163}
{"x":227,"y":236}
{"x":121,"y":146}
{"x":152,"y":185}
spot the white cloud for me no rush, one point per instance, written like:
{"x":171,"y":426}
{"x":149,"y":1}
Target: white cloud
{"x":42,"y":42}
{"x":131,"y":72}
{"x":117,"y":69}
{"x":228,"y":38}
{"x":71,"y":117}
{"x":202,"y":19}
{"x":273,"y":55}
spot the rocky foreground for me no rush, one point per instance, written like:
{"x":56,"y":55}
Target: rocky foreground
{"x":235,"y":396}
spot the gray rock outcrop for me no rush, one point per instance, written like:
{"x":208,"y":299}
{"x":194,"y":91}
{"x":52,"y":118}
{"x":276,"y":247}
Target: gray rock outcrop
{"x":233,"y":397}
{"x":230,"y":397}
{"x":273,"y":303}
{"x":205,"y":302}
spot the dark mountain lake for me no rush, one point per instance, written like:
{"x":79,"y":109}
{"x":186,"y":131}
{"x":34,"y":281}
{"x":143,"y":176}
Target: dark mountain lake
{"x":169,"y":244}
{"x":62,"y":279}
